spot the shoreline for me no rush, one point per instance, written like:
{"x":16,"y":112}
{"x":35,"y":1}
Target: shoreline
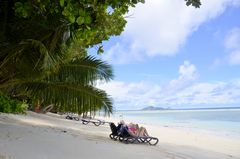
{"x":47,"y":136}
{"x":199,"y":138}
{"x":229,"y":128}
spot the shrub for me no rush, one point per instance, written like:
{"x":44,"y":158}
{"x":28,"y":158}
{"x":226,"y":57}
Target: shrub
{"x":8,"y":105}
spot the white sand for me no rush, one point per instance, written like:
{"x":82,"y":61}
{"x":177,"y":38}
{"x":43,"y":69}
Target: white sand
{"x":38,"y":136}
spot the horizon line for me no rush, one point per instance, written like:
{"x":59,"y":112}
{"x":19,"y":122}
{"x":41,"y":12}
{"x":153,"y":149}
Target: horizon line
{"x":238,"y":107}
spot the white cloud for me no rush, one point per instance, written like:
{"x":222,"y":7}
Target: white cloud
{"x":187,"y":74}
{"x":204,"y":94}
{"x":232,"y":44}
{"x":121,"y":55}
{"x":130,"y":94}
{"x":234,"y":57}
{"x":232,"y":40}
{"x":162,"y":27}
{"x":216,"y":63}
{"x":236,"y":3}
{"x":185,"y":92}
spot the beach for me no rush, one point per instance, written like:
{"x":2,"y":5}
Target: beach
{"x":51,"y":136}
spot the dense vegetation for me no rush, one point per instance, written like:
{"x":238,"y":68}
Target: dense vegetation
{"x":43,"y":50}
{"x":8,"y":105}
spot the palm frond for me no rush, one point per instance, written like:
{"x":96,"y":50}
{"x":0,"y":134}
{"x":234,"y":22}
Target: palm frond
{"x":43,"y":60}
{"x":86,"y":71}
{"x":66,"y":97}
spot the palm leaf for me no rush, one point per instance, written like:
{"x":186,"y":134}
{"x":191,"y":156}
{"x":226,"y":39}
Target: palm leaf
{"x":66,"y":97}
{"x":41,"y":60}
{"x":70,"y":88}
{"x":86,"y":71}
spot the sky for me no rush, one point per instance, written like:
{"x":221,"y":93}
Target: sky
{"x":174,"y":56}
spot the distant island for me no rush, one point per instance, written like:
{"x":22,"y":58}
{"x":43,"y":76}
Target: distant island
{"x":160,"y":108}
{"x":153,"y":108}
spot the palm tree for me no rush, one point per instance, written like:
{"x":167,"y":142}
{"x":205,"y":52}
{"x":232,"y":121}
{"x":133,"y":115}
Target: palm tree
{"x":70,"y":86}
{"x":48,"y":64}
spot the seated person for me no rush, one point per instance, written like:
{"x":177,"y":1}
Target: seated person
{"x":134,"y":129}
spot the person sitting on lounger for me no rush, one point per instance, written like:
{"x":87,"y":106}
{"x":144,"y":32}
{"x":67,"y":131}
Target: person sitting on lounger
{"x":134,"y":129}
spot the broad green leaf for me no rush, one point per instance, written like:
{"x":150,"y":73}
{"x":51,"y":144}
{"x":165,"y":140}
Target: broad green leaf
{"x":81,"y":12}
{"x":71,"y":18}
{"x":62,"y":3}
{"x":80,"y":20}
{"x":87,"y":20}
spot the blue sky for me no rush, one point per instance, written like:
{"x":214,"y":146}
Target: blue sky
{"x":175,"y":56}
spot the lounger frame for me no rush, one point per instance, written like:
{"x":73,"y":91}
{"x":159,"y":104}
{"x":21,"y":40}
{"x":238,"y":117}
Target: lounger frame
{"x":95,"y":122}
{"x":132,"y":139}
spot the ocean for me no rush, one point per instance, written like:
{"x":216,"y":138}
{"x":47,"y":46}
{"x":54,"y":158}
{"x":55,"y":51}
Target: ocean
{"x":218,"y":121}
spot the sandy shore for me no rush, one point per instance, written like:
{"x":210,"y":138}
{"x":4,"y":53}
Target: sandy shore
{"x":51,"y":136}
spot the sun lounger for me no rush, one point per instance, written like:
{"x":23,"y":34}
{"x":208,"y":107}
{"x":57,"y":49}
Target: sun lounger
{"x":96,"y":122}
{"x":71,"y":116}
{"x":127,"y":138}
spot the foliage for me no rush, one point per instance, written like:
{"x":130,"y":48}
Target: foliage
{"x":8,"y":105}
{"x":87,"y":21}
{"x":43,"y":60}
{"x":195,"y":3}
{"x":43,"y":50}
{"x":69,"y":88}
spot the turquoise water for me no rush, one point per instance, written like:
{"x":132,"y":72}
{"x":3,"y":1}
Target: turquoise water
{"x":225,"y":121}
